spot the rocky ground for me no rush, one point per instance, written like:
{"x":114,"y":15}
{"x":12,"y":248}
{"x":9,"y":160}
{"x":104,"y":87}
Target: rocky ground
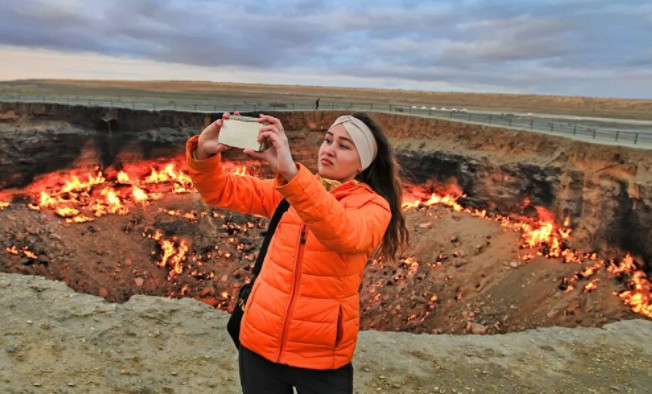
{"x":54,"y":340}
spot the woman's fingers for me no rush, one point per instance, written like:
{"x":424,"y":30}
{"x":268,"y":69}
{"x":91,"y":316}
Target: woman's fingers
{"x":272,"y":120}
{"x":271,"y":128}
{"x":272,"y":135}
{"x":254,"y":154}
{"x":236,"y":113}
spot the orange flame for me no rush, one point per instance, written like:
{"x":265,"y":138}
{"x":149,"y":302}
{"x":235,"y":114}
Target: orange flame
{"x":639,"y":297}
{"x":592,"y":285}
{"x":626,"y":265}
{"x":123,"y":177}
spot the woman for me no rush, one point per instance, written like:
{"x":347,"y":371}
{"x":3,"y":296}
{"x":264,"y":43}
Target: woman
{"x":301,"y":321}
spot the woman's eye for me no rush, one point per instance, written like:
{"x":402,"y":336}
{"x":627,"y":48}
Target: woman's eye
{"x":344,"y":146}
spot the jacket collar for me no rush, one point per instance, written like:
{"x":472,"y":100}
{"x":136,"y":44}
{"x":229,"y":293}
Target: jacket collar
{"x":333,"y":185}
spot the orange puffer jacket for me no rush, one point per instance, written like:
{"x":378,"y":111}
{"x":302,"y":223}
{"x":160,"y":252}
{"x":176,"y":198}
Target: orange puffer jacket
{"x":303,"y":310}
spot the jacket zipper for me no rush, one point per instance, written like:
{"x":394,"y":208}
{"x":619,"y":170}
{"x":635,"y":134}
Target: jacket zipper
{"x":295,"y":282}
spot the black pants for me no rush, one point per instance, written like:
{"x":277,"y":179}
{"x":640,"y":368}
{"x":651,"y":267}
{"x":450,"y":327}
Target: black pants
{"x":259,"y":375}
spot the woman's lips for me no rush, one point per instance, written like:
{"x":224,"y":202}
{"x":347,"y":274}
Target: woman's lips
{"x":326,"y":161}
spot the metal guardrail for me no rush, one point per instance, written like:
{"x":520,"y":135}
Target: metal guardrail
{"x":570,"y":128}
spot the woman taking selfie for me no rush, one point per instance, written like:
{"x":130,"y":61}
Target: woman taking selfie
{"x":301,"y":320}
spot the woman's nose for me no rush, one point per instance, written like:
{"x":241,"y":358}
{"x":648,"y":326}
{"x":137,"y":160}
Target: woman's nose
{"x":330,"y":150}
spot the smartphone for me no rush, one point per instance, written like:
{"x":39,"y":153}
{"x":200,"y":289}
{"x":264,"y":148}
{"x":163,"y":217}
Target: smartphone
{"x":242,"y":132}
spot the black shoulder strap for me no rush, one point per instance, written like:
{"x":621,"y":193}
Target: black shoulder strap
{"x":280,"y":210}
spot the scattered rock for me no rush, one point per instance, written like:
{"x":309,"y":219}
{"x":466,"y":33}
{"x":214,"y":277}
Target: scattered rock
{"x":475,"y":328}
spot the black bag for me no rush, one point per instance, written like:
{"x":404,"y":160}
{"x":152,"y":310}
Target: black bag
{"x":233,"y":326}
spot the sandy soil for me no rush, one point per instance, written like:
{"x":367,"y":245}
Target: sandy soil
{"x":57,"y":341}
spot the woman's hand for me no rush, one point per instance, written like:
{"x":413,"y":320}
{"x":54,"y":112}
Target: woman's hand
{"x":207,"y":144}
{"x":278,"y":155}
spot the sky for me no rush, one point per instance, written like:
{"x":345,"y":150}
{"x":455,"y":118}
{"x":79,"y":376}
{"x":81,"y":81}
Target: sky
{"x":572,"y":48}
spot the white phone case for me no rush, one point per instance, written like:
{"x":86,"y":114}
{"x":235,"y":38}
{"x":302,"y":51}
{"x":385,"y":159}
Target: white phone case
{"x":241,"y":132}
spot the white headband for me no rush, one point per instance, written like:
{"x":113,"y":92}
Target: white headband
{"x":363,"y":138}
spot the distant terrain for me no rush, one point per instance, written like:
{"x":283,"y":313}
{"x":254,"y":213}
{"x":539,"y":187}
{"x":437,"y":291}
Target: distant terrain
{"x":634,"y":109}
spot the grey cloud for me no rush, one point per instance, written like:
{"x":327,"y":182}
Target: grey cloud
{"x":524,"y":45}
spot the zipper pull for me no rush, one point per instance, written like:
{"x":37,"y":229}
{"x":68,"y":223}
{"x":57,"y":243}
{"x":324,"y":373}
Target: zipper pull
{"x":302,"y":239}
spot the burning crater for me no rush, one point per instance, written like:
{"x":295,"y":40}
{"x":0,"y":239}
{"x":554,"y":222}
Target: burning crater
{"x":498,"y":244}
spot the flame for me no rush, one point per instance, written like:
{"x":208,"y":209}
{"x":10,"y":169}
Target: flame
{"x":66,"y":212}
{"x":3,"y":205}
{"x":25,"y":250}
{"x":626,"y":265}
{"x":80,"y":197}
{"x":174,"y":253}
{"x":639,"y":297}
{"x":592,"y":285}
{"x":139,"y":195}
{"x":123,"y":177}
{"x":29,"y":253}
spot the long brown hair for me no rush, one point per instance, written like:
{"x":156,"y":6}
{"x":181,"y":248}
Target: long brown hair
{"x":383,"y":177}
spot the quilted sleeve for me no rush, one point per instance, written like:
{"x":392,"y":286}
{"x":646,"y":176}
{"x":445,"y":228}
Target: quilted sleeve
{"x":345,"y":230}
{"x":242,"y":193}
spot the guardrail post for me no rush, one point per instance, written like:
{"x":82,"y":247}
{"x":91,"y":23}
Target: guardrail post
{"x":552,"y":126}
{"x":635,"y":138}
{"x":617,"y":134}
{"x":574,"y":129}
{"x":531,"y":123}
{"x":450,"y":115}
{"x":390,"y":108}
{"x":594,"y":132}
{"x":510,"y":121}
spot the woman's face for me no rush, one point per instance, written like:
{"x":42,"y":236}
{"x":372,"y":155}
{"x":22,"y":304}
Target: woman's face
{"x":338,"y":157}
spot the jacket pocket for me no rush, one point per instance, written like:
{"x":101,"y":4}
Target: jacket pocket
{"x":340,"y":328}
{"x":250,"y":299}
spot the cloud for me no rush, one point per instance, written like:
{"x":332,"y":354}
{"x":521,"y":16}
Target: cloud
{"x":504,"y":44}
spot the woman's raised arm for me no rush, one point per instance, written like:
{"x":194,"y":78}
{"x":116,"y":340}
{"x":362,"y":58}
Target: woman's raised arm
{"x":242,"y":193}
